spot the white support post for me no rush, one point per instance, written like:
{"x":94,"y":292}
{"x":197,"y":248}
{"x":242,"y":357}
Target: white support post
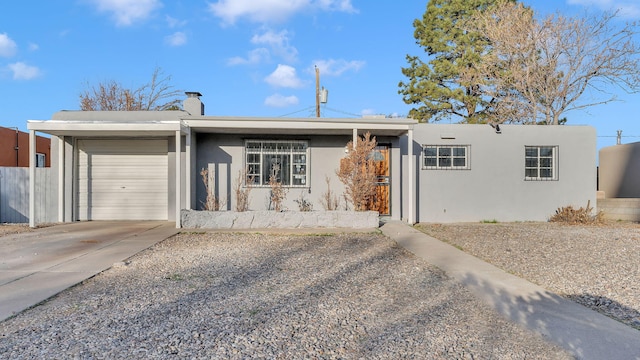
{"x":412,"y":166}
{"x":187,"y":172}
{"x":179,"y":188}
{"x":32,"y":178}
{"x":355,"y":138}
{"x":61,"y":185}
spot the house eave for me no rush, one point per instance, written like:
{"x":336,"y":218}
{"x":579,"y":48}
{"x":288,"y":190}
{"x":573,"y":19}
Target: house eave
{"x":298,"y":126}
{"x":107,"y":128}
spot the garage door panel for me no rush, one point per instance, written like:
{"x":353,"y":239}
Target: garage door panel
{"x":122,"y":179}
{"x":133,"y":199}
{"x":131,"y":160}
{"x":132,"y":213}
{"x":156,"y":187}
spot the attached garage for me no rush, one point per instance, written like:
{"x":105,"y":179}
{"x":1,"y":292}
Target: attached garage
{"x":122,"y":179}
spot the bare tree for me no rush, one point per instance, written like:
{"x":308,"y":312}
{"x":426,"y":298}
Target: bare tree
{"x":156,"y":95}
{"x":539,"y":69}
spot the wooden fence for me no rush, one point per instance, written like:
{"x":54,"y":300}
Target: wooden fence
{"x":14,"y":195}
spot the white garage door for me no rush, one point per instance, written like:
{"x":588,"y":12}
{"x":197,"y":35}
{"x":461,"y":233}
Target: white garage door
{"x":122,"y":180}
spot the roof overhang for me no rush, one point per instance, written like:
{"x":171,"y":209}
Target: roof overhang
{"x":166,"y":123}
{"x":299,"y":126}
{"x":107,"y":128}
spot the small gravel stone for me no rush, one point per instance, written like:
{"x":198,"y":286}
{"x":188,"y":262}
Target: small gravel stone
{"x":238,"y":296}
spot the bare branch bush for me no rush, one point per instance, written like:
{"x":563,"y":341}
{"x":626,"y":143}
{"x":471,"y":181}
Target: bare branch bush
{"x":357,"y":172}
{"x":156,"y":95}
{"x":242,"y":189}
{"x":557,"y":64}
{"x":211,"y":203}
{"x":303,"y":204}
{"x":278,"y":192}
{"x":329,"y":199}
{"x":569,"y":215}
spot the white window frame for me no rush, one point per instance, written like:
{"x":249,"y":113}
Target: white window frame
{"x":41,"y":160}
{"x":541,"y":163}
{"x":446,"y":157}
{"x":294,"y":154}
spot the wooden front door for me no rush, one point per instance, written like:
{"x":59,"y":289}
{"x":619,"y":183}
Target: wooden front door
{"x":383,"y":189}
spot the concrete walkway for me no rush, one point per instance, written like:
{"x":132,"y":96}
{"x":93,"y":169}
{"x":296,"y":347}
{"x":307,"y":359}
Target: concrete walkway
{"x":585,"y":333}
{"x":37,"y":265}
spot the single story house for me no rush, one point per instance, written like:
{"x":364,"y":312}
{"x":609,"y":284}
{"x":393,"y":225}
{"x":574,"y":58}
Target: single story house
{"x":147,"y":165}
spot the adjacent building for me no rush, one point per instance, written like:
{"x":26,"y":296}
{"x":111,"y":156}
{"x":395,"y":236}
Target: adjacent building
{"x":14,"y":149}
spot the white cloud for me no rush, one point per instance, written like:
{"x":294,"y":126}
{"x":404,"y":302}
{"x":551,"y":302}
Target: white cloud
{"x":626,"y":8}
{"x":33,"y":47}
{"x":337,"y":5}
{"x":272,"y":11}
{"x":255,"y":56}
{"x":176,"y":39}
{"x":284,"y":76}
{"x":264,"y":11}
{"x":126,"y":12}
{"x":278,"y":45}
{"x":22,"y":71}
{"x":278,"y":42}
{"x":332,"y":67}
{"x":174,"y":23}
{"x":277,"y":100}
{"x":8,"y":47}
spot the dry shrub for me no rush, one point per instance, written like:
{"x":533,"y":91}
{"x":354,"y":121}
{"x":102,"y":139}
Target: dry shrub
{"x":242,"y":192}
{"x":358,"y":173}
{"x":212,"y":203}
{"x":278,"y":192}
{"x":303,"y":203}
{"x":329,"y":199}
{"x":569,"y":215}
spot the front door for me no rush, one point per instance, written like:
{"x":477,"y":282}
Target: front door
{"x":383,"y":190}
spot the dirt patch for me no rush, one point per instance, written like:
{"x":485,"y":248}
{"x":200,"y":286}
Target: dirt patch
{"x":8,"y":229}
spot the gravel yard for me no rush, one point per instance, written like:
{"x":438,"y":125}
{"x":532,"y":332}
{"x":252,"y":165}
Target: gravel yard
{"x":230,"y":295}
{"x":8,"y":229}
{"x":596,"y":266}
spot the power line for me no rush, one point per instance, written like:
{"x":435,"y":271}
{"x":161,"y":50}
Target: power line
{"x":298,"y":111}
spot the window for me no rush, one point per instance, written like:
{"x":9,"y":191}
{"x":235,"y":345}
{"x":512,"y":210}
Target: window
{"x":40,"y":160}
{"x":540,"y":163}
{"x":288,"y":161}
{"x":455,"y":157}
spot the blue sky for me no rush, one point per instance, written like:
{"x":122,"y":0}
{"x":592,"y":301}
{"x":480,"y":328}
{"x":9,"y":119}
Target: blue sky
{"x":247,"y":57}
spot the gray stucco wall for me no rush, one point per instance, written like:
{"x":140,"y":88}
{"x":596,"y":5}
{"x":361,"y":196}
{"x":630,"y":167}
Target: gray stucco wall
{"x":494,"y":188}
{"x":620,"y":171}
{"x":224,"y":154}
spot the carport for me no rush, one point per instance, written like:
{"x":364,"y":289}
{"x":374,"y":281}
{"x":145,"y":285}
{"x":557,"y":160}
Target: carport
{"x":125,"y":168}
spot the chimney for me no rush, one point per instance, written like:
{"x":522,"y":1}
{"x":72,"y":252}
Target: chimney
{"x":192,"y":103}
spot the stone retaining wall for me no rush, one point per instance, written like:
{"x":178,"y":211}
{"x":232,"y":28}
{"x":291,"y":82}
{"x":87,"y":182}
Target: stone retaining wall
{"x":194,"y":219}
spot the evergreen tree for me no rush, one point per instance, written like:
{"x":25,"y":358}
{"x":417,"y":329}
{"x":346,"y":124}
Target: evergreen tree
{"x":448,"y":86}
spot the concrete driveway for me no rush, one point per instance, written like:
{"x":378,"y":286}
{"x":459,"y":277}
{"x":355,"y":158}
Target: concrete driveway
{"x":37,"y":265}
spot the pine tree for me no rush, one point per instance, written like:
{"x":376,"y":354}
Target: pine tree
{"x":447,"y":86}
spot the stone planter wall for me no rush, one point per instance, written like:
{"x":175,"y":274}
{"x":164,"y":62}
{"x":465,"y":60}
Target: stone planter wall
{"x":194,"y":219}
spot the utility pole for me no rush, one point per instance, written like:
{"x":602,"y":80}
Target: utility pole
{"x":317,"y":92}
